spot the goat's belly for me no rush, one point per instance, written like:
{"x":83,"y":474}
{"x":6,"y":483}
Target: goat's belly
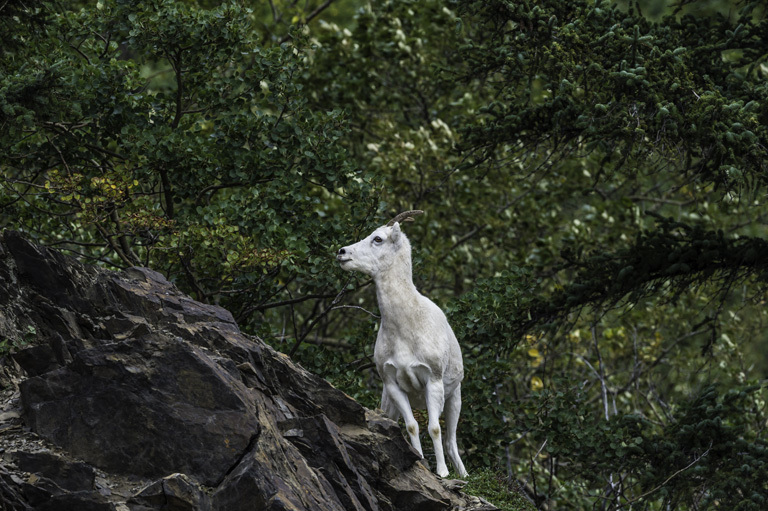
{"x":411,"y":377}
{"x":417,"y":401}
{"x":413,"y":384}
{"x":408,"y":379}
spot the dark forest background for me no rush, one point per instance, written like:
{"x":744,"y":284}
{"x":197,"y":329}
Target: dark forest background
{"x":593,"y":174}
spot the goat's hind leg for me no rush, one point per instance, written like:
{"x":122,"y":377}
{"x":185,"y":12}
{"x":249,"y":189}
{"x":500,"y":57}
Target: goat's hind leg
{"x":452,"y":410}
{"x":388,"y":406}
{"x":435,"y":401}
{"x":397,"y":399}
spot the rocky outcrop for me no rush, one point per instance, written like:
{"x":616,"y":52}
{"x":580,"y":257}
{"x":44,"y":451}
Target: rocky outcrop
{"x":124,"y":394}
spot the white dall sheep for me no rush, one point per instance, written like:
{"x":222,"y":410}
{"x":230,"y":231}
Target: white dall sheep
{"x":416,"y":354}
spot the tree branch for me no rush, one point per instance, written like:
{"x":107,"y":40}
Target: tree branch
{"x":310,"y":17}
{"x":356,"y":307}
{"x":668,"y":479}
{"x":124,"y":245}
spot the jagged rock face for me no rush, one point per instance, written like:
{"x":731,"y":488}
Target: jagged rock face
{"x":140,"y":398}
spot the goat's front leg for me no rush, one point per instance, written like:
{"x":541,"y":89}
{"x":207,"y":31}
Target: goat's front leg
{"x":435,"y":395}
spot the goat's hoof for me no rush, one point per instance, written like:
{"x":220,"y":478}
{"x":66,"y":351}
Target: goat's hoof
{"x":443,"y":473}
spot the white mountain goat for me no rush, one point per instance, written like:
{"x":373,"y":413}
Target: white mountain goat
{"x":416,"y":353}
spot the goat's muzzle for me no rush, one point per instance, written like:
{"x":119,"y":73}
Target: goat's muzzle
{"x":341,"y":256}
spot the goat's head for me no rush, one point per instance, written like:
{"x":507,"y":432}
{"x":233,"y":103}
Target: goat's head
{"x":378,"y":252}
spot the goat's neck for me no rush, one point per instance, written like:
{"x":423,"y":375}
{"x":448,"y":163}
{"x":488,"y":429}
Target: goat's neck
{"x":394,"y":288}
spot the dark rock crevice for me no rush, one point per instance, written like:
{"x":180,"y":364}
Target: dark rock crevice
{"x":247,"y":451}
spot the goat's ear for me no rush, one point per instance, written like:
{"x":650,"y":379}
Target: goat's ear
{"x":395,"y":235}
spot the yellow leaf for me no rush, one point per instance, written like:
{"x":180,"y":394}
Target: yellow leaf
{"x":533,"y":352}
{"x":295,"y":20}
{"x":536,"y":383}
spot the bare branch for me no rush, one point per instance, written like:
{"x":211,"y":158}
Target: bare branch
{"x":316,"y":319}
{"x":356,"y":307}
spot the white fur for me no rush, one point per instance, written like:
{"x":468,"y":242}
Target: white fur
{"x":416,"y":354}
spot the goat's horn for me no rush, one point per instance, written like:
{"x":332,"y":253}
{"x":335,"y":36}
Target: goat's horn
{"x":405,"y":216}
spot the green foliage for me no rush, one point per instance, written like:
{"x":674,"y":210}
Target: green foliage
{"x":593,"y":175}
{"x":166,"y":135}
{"x":19,"y":19}
{"x":488,"y":484}
{"x":665,"y":261}
{"x":706,"y":452}
{"x":498,"y":312}
{"x":682,"y":92}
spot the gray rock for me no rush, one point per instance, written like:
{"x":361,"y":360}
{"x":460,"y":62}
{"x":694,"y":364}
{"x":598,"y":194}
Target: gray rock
{"x":149,"y":406}
{"x":68,"y":475}
{"x":177,"y":492}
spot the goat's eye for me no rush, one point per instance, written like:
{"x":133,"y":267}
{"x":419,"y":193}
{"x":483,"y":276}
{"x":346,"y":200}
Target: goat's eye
{"x":377,"y":239}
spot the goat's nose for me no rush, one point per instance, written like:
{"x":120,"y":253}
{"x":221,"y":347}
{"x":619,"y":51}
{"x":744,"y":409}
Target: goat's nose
{"x":342,"y":251}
